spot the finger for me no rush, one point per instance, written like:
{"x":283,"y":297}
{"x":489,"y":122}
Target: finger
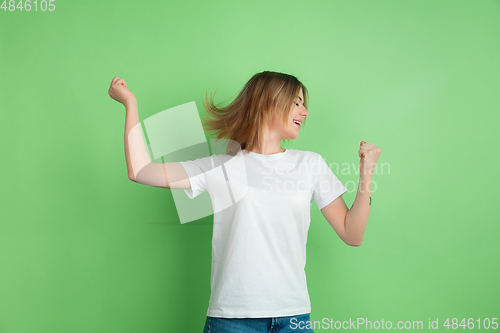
{"x":366,"y":148}
{"x":363,"y":150}
{"x":368,"y":144}
{"x":116,"y":78}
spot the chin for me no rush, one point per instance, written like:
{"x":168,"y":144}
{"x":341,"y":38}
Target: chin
{"x":291,"y":134}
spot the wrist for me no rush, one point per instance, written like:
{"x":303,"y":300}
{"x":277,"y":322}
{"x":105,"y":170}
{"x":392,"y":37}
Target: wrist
{"x":365,"y":176}
{"x":131,"y":102}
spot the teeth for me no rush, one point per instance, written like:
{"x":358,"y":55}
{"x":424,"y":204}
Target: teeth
{"x":298,"y":123}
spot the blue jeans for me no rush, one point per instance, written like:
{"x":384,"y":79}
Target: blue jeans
{"x":290,"y":324}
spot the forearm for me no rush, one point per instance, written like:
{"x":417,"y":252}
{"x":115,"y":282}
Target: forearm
{"x":135,"y":150}
{"x":357,"y":216}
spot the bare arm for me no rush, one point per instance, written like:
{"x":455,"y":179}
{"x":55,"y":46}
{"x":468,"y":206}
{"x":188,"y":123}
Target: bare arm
{"x":350,"y":224}
{"x":357,"y":217}
{"x":131,"y":121}
{"x":139,"y":167}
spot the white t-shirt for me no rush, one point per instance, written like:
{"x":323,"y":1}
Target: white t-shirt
{"x":259,"y":241}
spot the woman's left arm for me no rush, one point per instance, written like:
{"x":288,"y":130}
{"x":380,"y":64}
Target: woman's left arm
{"x":357,"y":217}
{"x":350,"y":224}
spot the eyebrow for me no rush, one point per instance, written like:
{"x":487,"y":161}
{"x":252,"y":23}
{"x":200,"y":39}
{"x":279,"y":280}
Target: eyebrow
{"x":300,"y":98}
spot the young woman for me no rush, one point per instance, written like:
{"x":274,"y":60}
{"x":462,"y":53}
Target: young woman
{"x":258,"y":280}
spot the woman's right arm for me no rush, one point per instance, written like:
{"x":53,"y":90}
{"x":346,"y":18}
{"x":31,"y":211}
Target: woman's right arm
{"x":139,"y":166}
{"x":131,"y":121}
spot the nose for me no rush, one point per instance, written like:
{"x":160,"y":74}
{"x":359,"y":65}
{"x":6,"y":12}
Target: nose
{"x":304,"y":112}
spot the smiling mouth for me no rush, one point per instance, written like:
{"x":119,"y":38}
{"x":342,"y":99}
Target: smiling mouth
{"x":296,"y":123}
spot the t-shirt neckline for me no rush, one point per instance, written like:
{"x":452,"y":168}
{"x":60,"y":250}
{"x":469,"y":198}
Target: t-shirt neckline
{"x":272,"y":156}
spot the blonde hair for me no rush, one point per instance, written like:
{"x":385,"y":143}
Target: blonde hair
{"x":265,"y":97}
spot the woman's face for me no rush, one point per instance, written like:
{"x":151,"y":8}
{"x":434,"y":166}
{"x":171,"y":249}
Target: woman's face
{"x":297,"y":114}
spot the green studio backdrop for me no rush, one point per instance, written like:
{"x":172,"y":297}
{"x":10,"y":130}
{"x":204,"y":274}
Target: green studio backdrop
{"x":84,"y":249}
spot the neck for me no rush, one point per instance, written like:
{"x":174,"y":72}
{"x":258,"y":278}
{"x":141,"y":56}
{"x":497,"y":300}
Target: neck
{"x":271,"y":143}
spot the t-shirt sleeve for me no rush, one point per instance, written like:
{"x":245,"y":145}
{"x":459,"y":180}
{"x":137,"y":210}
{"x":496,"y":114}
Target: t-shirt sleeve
{"x":327,"y":187}
{"x":196,"y":171}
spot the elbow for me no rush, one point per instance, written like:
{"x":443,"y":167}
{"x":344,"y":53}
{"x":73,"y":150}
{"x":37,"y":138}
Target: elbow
{"x":131,"y":177}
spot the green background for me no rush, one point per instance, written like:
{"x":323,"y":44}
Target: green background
{"x":84,"y":249}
